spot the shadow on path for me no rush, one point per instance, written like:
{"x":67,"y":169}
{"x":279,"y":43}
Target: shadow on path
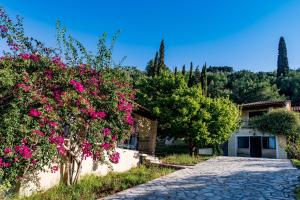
{"x":222,"y":178}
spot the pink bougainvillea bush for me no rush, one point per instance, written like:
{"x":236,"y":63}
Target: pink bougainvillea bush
{"x":52,"y":113}
{"x":56,"y":111}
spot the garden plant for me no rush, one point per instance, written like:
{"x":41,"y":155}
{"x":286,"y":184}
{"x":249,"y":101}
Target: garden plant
{"x":58,"y":106}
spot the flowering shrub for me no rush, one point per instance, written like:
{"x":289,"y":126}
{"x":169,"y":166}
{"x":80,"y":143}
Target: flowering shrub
{"x":55,"y":110}
{"x":54,"y":114}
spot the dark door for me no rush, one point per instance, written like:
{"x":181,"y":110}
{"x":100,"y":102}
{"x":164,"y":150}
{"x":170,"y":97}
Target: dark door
{"x":255,"y":146}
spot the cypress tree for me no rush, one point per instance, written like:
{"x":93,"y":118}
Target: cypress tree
{"x":150,"y":68}
{"x":155,"y":64}
{"x":191,"y":70}
{"x":197,"y":75}
{"x":175,"y":71}
{"x":183,"y":70}
{"x":161,"y":58}
{"x":282,"y":61}
{"x":204,"y":80}
{"x":191,"y":81}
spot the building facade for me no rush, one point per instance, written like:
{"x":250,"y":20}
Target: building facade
{"x":143,"y":137}
{"x":248,"y":142}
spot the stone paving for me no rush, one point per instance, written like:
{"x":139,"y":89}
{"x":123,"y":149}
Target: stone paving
{"x":222,"y":178}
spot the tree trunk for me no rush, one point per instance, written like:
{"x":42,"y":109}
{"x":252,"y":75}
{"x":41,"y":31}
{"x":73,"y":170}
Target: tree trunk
{"x":71,"y":166}
{"x":71,"y":170}
{"x":192,"y":147}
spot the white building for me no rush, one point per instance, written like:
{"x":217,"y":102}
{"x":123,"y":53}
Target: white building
{"x":253,"y":143}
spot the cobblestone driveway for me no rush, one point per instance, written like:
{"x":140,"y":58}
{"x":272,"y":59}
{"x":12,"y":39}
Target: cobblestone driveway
{"x":222,"y":178}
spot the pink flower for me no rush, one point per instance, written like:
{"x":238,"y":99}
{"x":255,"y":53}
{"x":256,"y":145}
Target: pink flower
{"x":25,"y":87}
{"x":129,"y":120}
{"x":4,"y":164}
{"x":38,"y":132}
{"x":25,"y":56}
{"x":52,"y":132}
{"x":57,"y":93}
{"x":33,"y":162}
{"x":73,"y":82}
{"x":84,"y":110}
{"x":97,"y":115}
{"x":48,"y":108}
{"x":24,"y":151}
{"x":49,"y":74}
{"x":94,"y":115}
{"x":7,"y":150}
{"x":82,"y":68}
{"x":34,"y":112}
{"x":16,"y":159}
{"x":77,"y":86}
{"x":86,"y":149}
{"x":54,"y":169}
{"x":53,"y":124}
{"x":114,"y":158}
{"x":7,"y":164}
{"x":34,"y":57}
{"x":124,"y":105}
{"x":61,"y":150}
{"x":59,"y":141}
{"x":114,"y":138}
{"x":101,"y":115}
{"x":56,"y":60}
{"x":105,"y":146}
{"x":106,"y":132}
{"x":94,"y":81}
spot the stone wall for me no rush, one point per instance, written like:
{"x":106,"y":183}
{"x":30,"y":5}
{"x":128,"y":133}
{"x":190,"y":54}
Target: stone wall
{"x":46,"y":180}
{"x":147,"y":132}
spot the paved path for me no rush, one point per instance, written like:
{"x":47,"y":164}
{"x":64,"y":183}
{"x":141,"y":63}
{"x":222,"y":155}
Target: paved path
{"x":222,"y":178}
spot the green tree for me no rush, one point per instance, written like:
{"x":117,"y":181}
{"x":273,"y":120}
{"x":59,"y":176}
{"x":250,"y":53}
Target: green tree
{"x":197,"y":76}
{"x":175,"y":71}
{"x":290,"y":86}
{"x":161,"y":58}
{"x":183,"y":71}
{"x":282,"y":61}
{"x":183,"y":111}
{"x":246,"y":90}
{"x":247,"y":86}
{"x":150,"y":68}
{"x":217,"y":85}
{"x":155,"y":65}
{"x":278,"y":122}
{"x":191,"y":80}
{"x":224,"y":120}
{"x":204,"y":80}
{"x":220,"y":69}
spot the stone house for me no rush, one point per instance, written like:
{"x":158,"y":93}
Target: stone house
{"x":143,"y":137}
{"x":250,"y":142}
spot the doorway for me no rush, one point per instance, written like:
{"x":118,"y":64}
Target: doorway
{"x":255,"y":147}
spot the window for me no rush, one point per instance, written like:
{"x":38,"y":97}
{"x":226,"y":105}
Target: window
{"x":243,"y":142}
{"x":132,"y":142}
{"x":257,"y":113}
{"x":269,"y":143}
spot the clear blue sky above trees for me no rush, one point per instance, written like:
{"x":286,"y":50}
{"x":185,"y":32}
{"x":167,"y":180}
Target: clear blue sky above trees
{"x":241,"y":34}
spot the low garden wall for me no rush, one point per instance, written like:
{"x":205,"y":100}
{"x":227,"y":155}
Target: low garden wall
{"x":47,"y":179}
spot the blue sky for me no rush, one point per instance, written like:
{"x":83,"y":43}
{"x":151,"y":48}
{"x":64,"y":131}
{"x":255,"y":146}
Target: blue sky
{"x":242,"y":34}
